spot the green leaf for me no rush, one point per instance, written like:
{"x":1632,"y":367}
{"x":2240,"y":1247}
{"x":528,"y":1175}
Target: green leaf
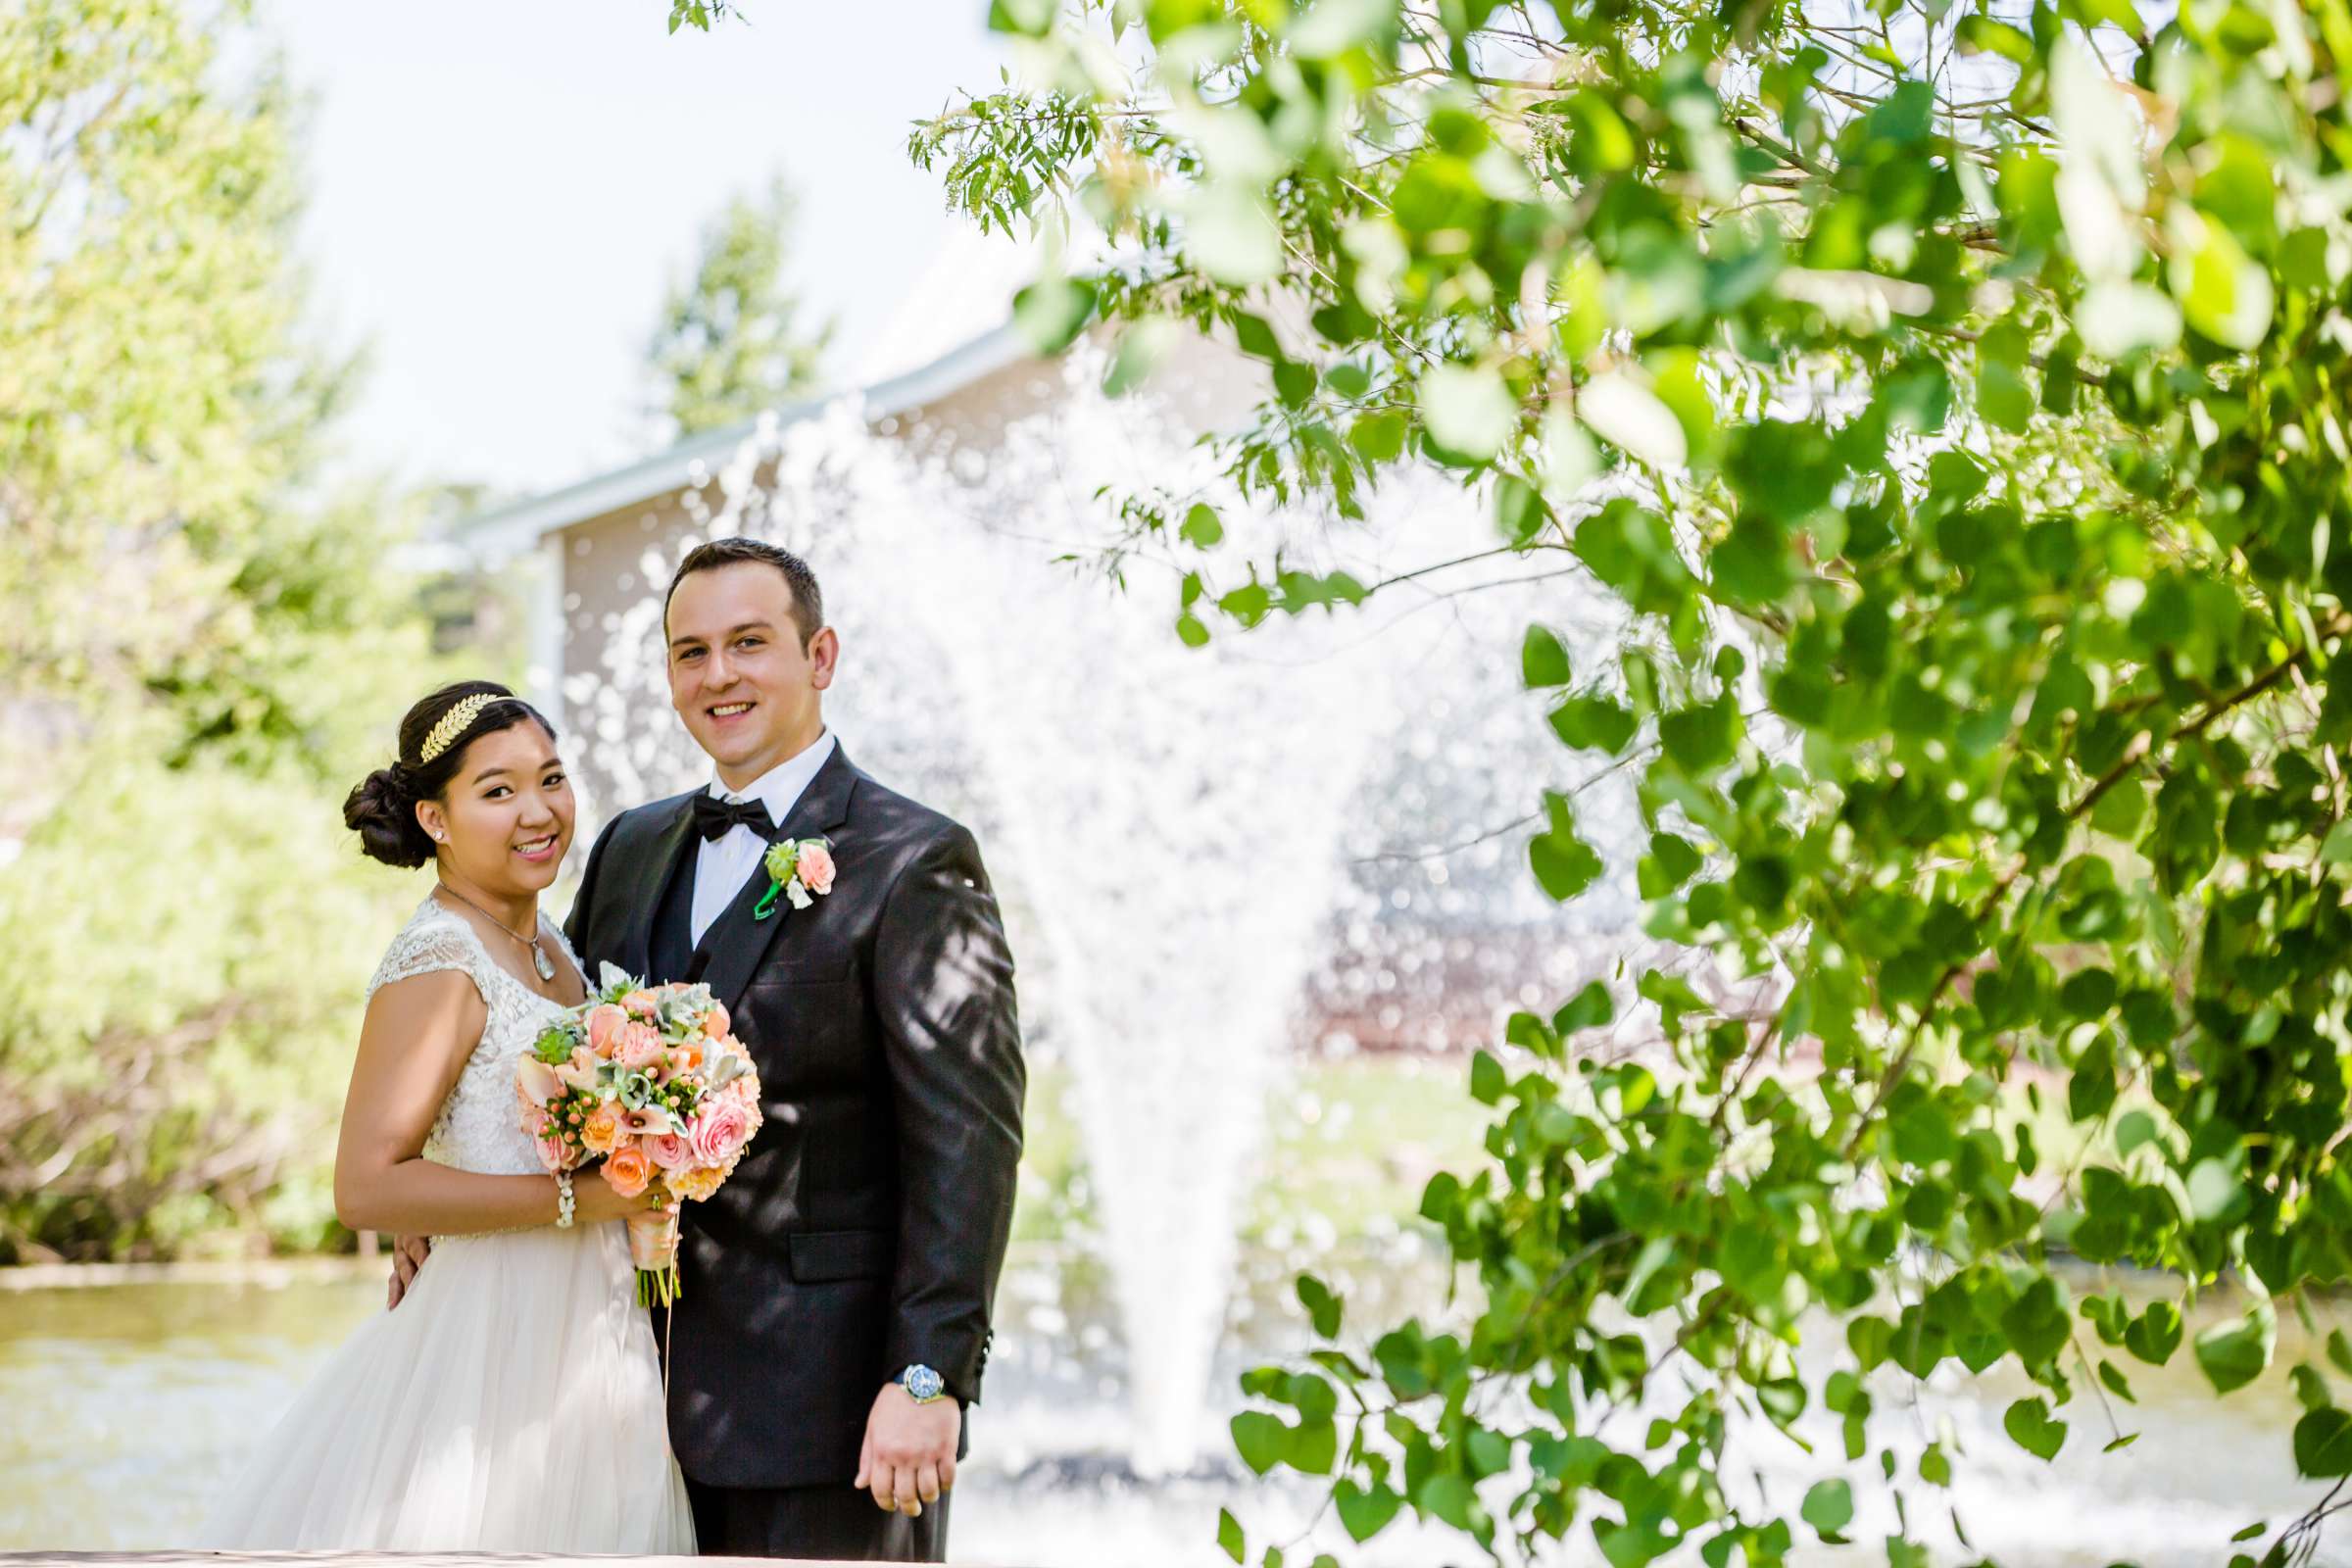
{"x":1379,"y":437}
{"x":1563,"y":863}
{"x":2223,"y":292}
{"x":1543,"y":660}
{"x":1486,"y":1078}
{"x":1589,"y":1008}
{"x":1624,"y":412}
{"x":1519,"y":514}
{"x":2118,"y":319}
{"x":1052,"y":311}
{"x":2030,"y":1426}
{"x":1200,"y":527}
{"x":1142,"y":346}
{"x":1322,"y":1305}
{"x":2155,"y":1334}
{"x":1468,"y":409}
{"x":1595,"y":724}
{"x":1364,"y":1514}
{"x":2234,"y":1353}
{"x":2037,"y":1323}
{"x":1233,"y":234}
{"x":1262,"y":1439}
{"x":1229,"y":1535}
{"x":1829,"y":1507}
{"x":2324,"y":1443}
{"x":1031,"y":17}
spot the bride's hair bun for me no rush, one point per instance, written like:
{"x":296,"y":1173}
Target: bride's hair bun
{"x":382,"y":811}
{"x":433,"y":737}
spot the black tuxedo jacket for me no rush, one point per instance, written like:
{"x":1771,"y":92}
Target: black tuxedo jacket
{"x":865,"y":1227}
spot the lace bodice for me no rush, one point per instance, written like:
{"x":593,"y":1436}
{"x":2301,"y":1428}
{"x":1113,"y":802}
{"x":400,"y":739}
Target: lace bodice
{"x":479,"y":1128}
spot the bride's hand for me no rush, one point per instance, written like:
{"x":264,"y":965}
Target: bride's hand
{"x":594,"y":1201}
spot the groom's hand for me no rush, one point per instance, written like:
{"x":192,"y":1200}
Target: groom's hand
{"x":909,"y":1454}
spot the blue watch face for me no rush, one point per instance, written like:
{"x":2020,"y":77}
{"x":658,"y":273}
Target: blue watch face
{"x":922,"y":1383}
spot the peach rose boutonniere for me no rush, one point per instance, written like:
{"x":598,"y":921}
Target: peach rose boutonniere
{"x":800,"y":872}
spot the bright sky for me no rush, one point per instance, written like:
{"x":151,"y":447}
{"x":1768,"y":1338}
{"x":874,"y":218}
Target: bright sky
{"x":500,"y":193}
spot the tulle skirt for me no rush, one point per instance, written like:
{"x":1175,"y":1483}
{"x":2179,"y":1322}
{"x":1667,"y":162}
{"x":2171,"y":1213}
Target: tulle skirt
{"x":512,"y":1402}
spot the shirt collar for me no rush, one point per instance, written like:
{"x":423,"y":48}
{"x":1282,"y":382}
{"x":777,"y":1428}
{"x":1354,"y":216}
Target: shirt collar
{"x":780,"y":788}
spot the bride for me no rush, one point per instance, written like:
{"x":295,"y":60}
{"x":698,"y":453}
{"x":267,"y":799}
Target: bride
{"x":513,"y":1402}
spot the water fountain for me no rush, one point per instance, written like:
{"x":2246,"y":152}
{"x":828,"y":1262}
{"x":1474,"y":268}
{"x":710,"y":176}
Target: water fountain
{"x":1170,"y":826}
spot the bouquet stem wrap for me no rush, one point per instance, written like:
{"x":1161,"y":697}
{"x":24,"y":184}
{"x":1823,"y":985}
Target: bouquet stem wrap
{"x":653,"y":1248}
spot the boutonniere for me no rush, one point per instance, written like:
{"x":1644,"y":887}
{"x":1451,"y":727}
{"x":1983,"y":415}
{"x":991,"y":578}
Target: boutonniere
{"x":800,"y":870}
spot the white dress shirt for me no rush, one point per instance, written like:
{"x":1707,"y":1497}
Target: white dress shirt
{"x":721,"y":865}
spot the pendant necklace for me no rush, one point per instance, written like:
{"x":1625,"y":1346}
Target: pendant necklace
{"x":539,"y":958}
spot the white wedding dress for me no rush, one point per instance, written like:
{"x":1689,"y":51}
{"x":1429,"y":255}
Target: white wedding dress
{"x":512,"y":1402}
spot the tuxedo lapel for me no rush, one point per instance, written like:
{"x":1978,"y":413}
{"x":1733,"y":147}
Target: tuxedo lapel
{"x":671,"y":845}
{"x":736,"y":944}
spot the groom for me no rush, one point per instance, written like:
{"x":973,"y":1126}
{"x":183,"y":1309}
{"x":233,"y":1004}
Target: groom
{"x":835,"y":1319}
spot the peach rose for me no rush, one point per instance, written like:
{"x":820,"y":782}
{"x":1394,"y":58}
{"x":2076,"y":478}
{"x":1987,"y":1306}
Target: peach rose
{"x":697,"y":1182}
{"x":637,"y":1045}
{"x":644,"y":1004}
{"x":718,"y":1129}
{"x":601,"y":1021}
{"x":715,"y":1021}
{"x":668,"y":1151}
{"x":602,"y":1130}
{"x":816,"y":867}
{"x":627,"y":1170}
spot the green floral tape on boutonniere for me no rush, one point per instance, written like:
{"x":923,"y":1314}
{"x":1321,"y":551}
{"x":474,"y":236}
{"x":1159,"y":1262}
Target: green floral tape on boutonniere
{"x":800,"y":872}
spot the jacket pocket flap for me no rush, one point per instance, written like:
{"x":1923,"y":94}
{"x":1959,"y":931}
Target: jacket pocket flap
{"x":819,"y":1255}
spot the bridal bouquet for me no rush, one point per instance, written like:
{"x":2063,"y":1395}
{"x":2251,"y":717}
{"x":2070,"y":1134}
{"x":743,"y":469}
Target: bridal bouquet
{"x":648,"y":1080}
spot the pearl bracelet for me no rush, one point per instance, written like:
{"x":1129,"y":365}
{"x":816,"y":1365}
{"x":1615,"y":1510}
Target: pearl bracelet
{"x":563,"y":1201}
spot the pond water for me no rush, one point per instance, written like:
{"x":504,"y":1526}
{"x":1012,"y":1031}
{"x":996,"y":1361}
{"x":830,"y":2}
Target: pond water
{"x":127,"y":1404}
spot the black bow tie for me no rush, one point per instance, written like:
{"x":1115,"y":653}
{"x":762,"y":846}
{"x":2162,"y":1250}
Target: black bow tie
{"x":714,"y":818}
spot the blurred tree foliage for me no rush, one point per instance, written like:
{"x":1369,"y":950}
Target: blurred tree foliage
{"x":1957,"y":394}
{"x":201,"y":644}
{"x":731,"y":343}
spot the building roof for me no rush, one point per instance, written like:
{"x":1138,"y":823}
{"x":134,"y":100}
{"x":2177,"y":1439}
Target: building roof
{"x":512,"y":529}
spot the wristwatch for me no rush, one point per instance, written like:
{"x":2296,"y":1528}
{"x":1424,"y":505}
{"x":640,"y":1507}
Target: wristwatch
{"x":923,"y":1384}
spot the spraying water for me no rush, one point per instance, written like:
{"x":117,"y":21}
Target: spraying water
{"x":1181,"y":835}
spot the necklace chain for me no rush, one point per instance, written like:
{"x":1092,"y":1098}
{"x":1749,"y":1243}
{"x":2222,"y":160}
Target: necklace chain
{"x":539,"y":958}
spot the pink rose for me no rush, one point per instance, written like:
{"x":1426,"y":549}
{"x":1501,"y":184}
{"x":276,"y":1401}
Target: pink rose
{"x":643,"y":1004}
{"x":601,"y":1021}
{"x":715,"y":1021}
{"x":816,"y":867}
{"x":718,"y":1129}
{"x":668,"y":1150}
{"x":637,"y":1045}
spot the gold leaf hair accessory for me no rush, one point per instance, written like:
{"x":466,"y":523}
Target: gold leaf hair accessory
{"x":452,"y":724}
